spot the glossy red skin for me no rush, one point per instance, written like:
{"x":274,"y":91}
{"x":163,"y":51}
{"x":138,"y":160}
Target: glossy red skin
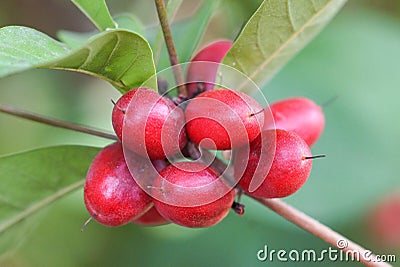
{"x":111,"y":194}
{"x":151,"y":218}
{"x":224,"y":116}
{"x":384,"y":221}
{"x":198,"y":216}
{"x":289,"y":170}
{"x":300,"y":115}
{"x":149,"y":122}
{"x":213,"y":52}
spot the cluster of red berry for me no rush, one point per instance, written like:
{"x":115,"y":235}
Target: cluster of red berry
{"x":146,"y":178}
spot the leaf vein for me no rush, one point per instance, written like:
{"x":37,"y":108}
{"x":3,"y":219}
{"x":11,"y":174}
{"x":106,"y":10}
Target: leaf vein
{"x":259,"y":42}
{"x":128,"y":68}
{"x":37,"y":206}
{"x":16,"y":48}
{"x":87,"y":60}
{"x":110,"y":56}
{"x":290,"y":14}
{"x":289,"y":40}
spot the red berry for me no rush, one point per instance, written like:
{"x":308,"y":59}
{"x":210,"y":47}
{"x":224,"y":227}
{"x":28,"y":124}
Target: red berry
{"x":198,"y":72}
{"x":384,"y":221}
{"x":148,"y":124}
{"x":223,"y":117}
{"x":207,"y":198}
{"x":300,"y":115}
{"x":289,"y":170}
{"x":151,"y":218}
{"x":111,"y":194}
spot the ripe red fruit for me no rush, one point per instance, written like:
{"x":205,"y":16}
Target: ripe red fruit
{"x":151,"y":218}
{"x":111,"y":195}
{"x":191,"y":183}
{"x":152,"y":127}
{"x":229,"y":119}
{"x":299,"y":115}
{"x":198,"y":72}
{"x":384,"y":221}
{"x":290,"y":164}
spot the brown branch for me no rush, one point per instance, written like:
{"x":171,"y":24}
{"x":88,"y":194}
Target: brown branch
{"x":320,"y":230}
{"x":307,"y":223}
{"x":54,"y":122}
{"x":285,"y":210}
{"x":173,"y":57}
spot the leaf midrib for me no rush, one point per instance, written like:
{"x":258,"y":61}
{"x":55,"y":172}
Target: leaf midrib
{"x":37,"y":206}
{"x":289,"y":40}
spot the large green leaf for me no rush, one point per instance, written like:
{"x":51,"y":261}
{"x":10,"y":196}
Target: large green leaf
{"x":30,"y":181}
{"x":188,"y":33}
{"x":23,"y":48}
{"x":75,"y":40}
{"x":97,"y":12}
{"x":275,"y":33}
{"x":120,"y":57}
{"x":130,"y":23}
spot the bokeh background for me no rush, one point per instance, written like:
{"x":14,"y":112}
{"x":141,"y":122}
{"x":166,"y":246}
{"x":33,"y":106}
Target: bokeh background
{"x":356,"y":59}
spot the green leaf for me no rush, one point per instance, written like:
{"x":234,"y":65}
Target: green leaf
{"x":23,"y":48}
{"x":275,"y":33}
{"x":97,"y":12}
{"x":187,"y":43}
{"x":31,"y":181}
{"x":120,"y":57}
{"x":362,"y":163}
{"x":187,"y":34}
{"x":74,"y":40}
{"x":130,"y":23}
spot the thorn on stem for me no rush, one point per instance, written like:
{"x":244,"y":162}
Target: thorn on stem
{"x":87,"y":222}
{"x":123,"y":83}
{"x":118,"y":107}
{"x":255,"y":113}
{"x":314,"y":157}
{"x":330,"y":101}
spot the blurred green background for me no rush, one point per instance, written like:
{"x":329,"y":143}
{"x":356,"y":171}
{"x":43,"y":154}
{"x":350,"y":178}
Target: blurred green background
{"x":356,"y":58}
